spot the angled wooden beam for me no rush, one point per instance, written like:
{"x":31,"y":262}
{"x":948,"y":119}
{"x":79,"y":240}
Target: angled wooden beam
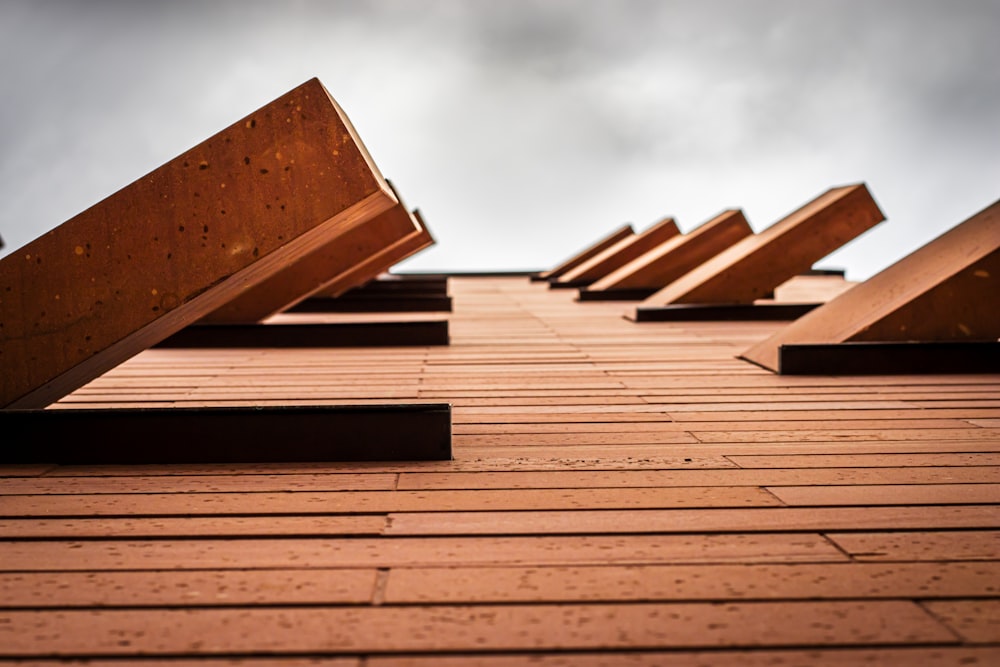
{"x":355,"y":248}
{"x":751,"y":268}
{"x":599,"y":246}
{"x":179,"y":242}
{"x":670,"y":260}
{"x":617,"y":255}
{"x":417,"y":240}
{"x":945,"y":291}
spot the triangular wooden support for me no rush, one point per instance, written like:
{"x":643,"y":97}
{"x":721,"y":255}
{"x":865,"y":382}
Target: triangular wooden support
{"x":753,"y":267}
{"x":617,"y":255}
{"x":948,"y":290}
{"x":178,"y":243}
{"x":576,"y":260}
{"x":671,"y":260}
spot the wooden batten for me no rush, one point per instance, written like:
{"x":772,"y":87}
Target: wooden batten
{"x":944,"y":291}
{"x":181,"y":241}
{"x":343,"y":255}
{"x":619,"y":254}
{"x":576,"y":260}
{"x":753,"y":267}
{"x":680,"y":254}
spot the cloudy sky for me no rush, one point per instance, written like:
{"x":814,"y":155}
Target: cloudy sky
{"x":525,"y":129}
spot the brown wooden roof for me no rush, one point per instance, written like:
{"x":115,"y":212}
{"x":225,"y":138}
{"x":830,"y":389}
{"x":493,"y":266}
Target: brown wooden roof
{"x":621,"y":493}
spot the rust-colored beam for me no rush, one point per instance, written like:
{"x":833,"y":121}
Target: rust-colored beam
{"x":179,"y":242}
{"x":945,"y":291}
{"x":411,"y":244}
{"x":619,"y":254}
{"x":753,"y":267}
{"x":671,"y":260}
{"x":576,"y":260}
{"x":298,"y":280}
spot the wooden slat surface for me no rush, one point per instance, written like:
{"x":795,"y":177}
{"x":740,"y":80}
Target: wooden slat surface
{"x":621,"y":494}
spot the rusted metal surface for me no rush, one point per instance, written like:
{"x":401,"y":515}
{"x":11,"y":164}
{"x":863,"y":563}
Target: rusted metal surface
{"x":179,"y":242}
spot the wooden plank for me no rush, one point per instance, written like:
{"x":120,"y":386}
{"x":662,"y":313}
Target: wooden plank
{"x":935,"y":656}
{"x":619,"y":254}
{"x":724,"y":477}
{"x":753,"y":267}
{"x":125,"y":479}
{"x":975,"y":621}
{"x":787,"y":581}
{"x":691,"y":521}
{"x":864,"y":460}
{"x":365,"y":552}
{"x":191,"y":527}
{"x":889,"y":494}
{"x":933,"y":294}
{"x":355,"y":630}
{"x":319,"y":433}
{"x":920,"y":546}
{"x":355,"y":248}
{"x":597,"y":247}
{"x":669,"y":261}
{"x":200,"y":588}
{"x":930,"y":656}
{"x":179,"y":242}
{"x":374,"y":502}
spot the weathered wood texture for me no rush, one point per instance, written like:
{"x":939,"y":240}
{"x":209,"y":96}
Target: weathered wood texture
{"x":753,"y":267}
{"x":599,"y":246}
{"x":671,"y":260}
{"x":619,"y":495}
{"x":620,"y":253}
{"x":353,"y":252}
{"x":945,"y":291}
{"x":179,"y":242}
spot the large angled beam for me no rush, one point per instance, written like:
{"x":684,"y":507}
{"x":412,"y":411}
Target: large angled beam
{"x":683,"y":253}
{"x":598,"y":246}
{"x":179,"y":242}
{"x":296,"y":281}
{"x":618,"y":255}
{"x":945,"y":291}
{"x":753,"y":267}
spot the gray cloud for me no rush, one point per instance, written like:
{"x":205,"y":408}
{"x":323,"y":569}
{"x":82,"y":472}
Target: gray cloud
{"x":525,"y":129}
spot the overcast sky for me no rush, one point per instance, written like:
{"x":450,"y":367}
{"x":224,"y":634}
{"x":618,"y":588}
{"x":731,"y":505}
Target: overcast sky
{"x":524,"y":130}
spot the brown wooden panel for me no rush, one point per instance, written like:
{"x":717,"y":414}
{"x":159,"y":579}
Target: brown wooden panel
{"x":934,"y":656}
{"x":511,"y":627}
{"x":890,"y":494}
{"x":753,"y":267}
{"x":363,"y":502}
{"x":246,"y":553}
{"x":691,"y":582}
{"x":682,"y":520}
{"x":671,"y":260}
{"x":920,"y":546}
{"x":975,"y":621}
{"x":620,"y":254}
{"x":215,"y":526}
{"x":295,"y":281}
{"x":865,"y":460}
{"x":597,"y":247}
{"x":662,"y":478}
{"x":936,"y":293}
{"x":179,"y":242}
{"x":106,"y":481}
{"x":156,"y":588}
